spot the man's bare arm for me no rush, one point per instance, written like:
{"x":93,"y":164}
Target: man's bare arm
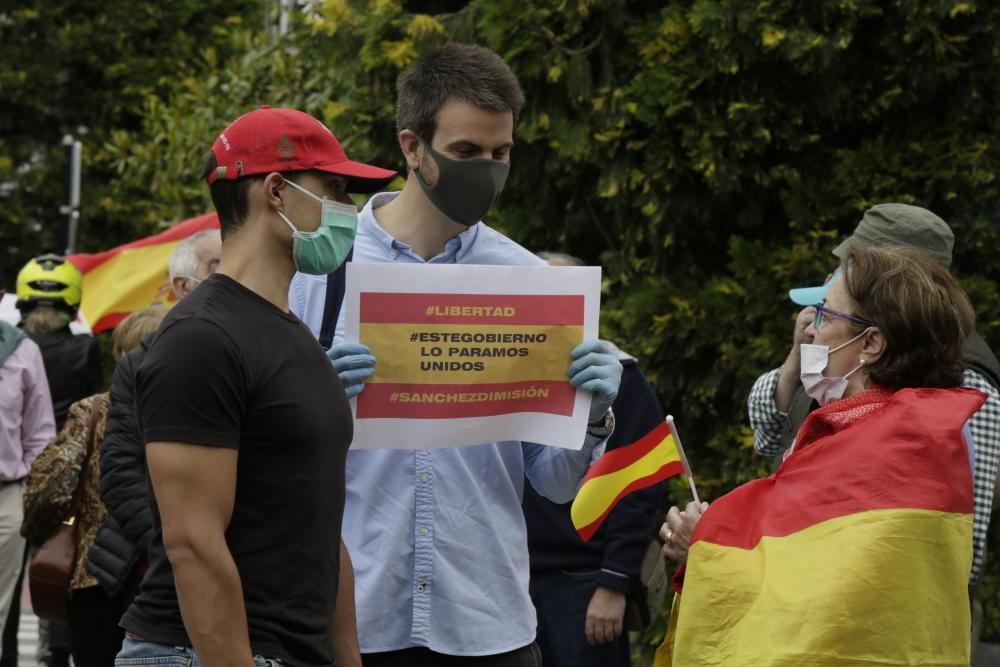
{"x":195,"y":489}
{"x":346,"y":649}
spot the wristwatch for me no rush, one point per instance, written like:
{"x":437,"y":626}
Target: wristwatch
{"x":603,"y":428}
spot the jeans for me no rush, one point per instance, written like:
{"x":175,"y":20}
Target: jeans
{"x":561,"y":601}
{"x":151,"y":654}
{"x":527,"y":656}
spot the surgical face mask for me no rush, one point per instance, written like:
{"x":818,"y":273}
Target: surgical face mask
{"x":466,"y":190}
{"x":322,"y":251}
{"x":824,"y":390}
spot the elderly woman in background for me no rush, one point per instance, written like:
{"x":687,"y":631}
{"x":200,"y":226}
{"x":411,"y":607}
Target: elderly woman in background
{"x":857,"y":550}
{"x":95,"y":637}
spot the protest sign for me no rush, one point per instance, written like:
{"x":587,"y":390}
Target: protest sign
{"x":470,"y":354}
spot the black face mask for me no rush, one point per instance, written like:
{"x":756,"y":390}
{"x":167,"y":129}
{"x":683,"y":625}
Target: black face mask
{"x":466,"y":190}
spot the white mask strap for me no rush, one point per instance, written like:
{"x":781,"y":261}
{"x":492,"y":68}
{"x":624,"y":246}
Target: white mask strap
{"x":850,"y":373}
{"x":843,"y":345}
{"x":287,"y":221}
{"x":303,"y":190}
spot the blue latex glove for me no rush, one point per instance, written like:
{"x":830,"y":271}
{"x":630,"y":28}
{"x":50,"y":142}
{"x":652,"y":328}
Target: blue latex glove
{"x":354,"y":364}
{"x":597,"y":370}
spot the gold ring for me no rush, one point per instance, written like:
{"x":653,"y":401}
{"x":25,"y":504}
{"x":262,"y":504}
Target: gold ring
{"x":670,"y":536}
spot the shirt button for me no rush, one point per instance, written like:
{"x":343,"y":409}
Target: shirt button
{"x":420,"y":588}
{"x":424,"y":477}
{"x":424,"y":532}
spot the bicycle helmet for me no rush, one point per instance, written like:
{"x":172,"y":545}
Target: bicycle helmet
{"x":51,"y":280}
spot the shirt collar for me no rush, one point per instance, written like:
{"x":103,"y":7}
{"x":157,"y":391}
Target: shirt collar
{"x":457,"y":247}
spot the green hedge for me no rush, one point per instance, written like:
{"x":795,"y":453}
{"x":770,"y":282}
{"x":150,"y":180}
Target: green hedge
{"x":708,"y":153}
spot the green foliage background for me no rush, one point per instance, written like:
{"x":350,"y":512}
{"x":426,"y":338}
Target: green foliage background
{"x":707,"y":153}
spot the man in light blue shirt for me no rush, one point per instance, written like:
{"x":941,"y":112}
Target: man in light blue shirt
{"x":437,"y":537}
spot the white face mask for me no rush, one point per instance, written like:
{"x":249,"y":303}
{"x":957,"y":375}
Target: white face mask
{"x":824,"y":390}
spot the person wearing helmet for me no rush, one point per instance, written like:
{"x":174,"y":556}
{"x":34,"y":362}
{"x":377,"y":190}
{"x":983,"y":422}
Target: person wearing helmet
{"x":49,"y":290}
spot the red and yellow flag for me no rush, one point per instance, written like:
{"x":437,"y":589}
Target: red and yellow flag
{"x":401,"y":388}
{"x":857,"y":551}
{"x":652,"y":459}
{"x":130,"y":277}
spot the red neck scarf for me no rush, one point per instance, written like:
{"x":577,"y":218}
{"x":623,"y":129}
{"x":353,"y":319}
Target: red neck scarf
{"x":838,"y":415}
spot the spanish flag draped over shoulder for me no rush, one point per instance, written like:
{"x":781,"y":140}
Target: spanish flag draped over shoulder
{"x":119,"y":281}
{"x":857,"y":551}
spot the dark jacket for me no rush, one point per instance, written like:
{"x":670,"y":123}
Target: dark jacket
{"x":620,"y":543}
{"x":72,"y":367}
{"x":124,"y":537}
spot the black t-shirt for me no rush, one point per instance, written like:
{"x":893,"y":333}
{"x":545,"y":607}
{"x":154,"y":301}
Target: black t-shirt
{"x":229,"y":369}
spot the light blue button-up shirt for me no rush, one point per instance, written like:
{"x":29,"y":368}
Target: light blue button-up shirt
{"x":437,"y":537}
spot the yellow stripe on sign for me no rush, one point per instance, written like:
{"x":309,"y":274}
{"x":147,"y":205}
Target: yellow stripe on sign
{"x":127,"y":282}
{"x":883,"y":587}
{"x":469,"y":354}
{"x":596,"y":494}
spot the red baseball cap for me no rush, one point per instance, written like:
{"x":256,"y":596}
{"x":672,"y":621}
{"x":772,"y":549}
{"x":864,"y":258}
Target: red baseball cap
{"x":267,"y":140}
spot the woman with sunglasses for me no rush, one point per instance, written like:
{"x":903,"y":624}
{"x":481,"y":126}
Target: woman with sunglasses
{"x":857,"y":549}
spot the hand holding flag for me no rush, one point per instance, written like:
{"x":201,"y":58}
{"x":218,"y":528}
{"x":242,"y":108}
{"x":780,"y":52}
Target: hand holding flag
{"x":677,"y":528}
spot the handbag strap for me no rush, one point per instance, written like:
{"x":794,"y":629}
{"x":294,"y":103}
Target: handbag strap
{"x":95,"y":415}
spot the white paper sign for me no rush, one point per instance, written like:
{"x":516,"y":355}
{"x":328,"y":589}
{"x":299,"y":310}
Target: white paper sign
{"x":467,"y":355}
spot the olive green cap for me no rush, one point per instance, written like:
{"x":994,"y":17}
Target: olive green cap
{"x":903,"y":225}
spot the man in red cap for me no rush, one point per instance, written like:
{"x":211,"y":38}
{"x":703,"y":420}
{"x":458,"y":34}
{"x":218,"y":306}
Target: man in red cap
{"x":245,"y":423}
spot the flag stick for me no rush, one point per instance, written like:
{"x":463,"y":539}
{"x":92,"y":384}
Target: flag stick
{"x":684,"y":460}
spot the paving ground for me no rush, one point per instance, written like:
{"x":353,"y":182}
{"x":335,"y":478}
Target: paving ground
{"x":27,"y":638}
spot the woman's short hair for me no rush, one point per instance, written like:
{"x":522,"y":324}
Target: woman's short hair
{"x":921,"y":310}
{"x":130,"y":331}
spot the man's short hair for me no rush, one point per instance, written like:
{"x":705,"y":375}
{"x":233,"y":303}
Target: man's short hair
{"x":230,"y":197}
{"x":465,"y":72}
{"x":183,"y":260}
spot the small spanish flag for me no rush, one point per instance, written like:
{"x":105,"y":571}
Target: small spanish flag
{"x":130,"y":276}
{"x":653,"y":458}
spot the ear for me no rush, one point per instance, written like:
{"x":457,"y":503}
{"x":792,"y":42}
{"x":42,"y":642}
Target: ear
{"x":274,"y":183}
{"x":179,"y":287}
{"x":873,"y":346}
{"x":409,"y":143}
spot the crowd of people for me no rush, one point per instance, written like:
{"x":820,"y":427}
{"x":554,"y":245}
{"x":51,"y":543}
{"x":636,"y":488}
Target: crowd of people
{"x":222,"y":518}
